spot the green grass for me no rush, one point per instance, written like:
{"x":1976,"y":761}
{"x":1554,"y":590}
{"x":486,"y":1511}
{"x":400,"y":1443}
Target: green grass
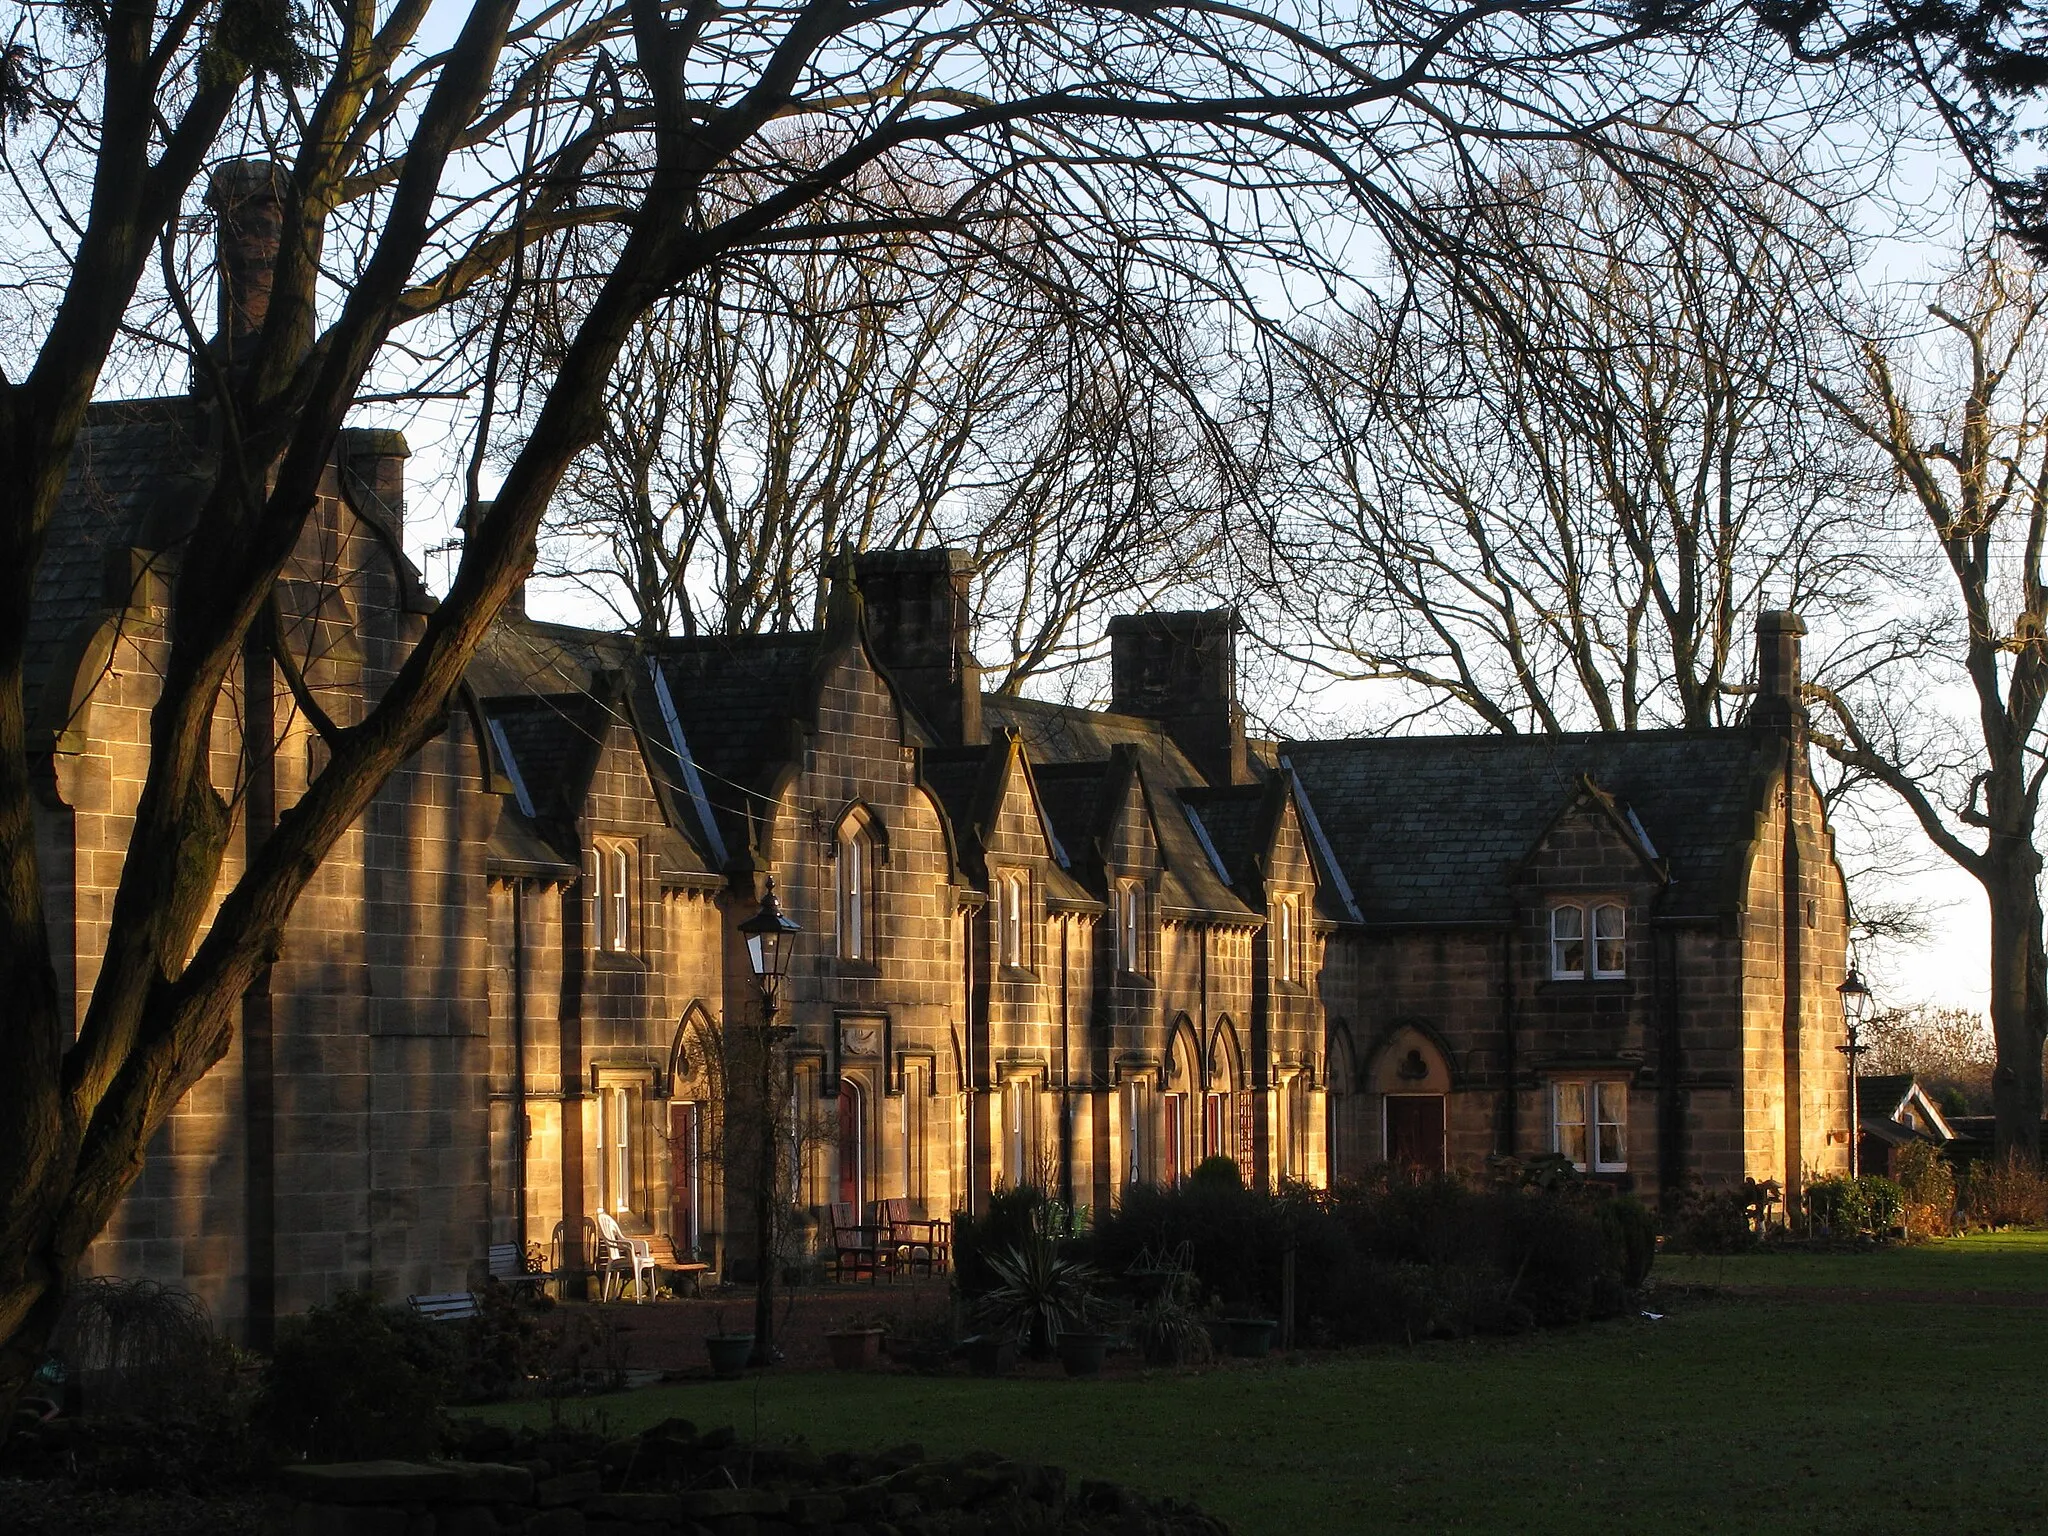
{"x":1981,"y":1261}
{"x":1728,"y":1416}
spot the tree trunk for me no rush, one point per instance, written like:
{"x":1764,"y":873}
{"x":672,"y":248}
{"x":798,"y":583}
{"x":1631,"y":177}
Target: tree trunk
{"x":2019,"y":992}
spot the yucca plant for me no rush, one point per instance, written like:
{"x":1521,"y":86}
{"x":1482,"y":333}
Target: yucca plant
{"x":1039,"y":1292}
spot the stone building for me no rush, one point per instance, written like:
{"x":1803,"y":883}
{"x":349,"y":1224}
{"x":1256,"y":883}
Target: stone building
{"x":1078,"y":947}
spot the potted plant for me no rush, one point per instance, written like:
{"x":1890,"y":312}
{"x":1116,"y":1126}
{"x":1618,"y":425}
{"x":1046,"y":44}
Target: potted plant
{"x":990,"y":1354}
{"x":857,"y":1343}
{"x":1250,"y":1338}
{"x":1039,"y":1294}
{"x":729,"y":1352}
{"x":1082,"y":1352}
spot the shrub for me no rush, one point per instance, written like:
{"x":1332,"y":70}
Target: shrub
{"x":1844,"y":1207}
{"x":503,"y":1346}
{"x":1217,"y":1169}
{"x":355,"y":1381}
{"x":1631,"y":1238}
{"x":2008,"y":1193}
{"x":1012,"y":1216}
{"x":1927,"y":1189}
{"x":140,"y":1348}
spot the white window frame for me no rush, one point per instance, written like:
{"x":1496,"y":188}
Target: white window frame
{"x":1595,"y":939}
{"x":618,"y":1108}
{"x":1130,"y":927}
{"x":1602,"y":1104}
{"x":616,"y":868}
{"x":854,"y":892}
{"x":1561,"y":914}
{"x":1285,"y":924}
{"x":1592,"y":918}
{"x":1013,"y":897}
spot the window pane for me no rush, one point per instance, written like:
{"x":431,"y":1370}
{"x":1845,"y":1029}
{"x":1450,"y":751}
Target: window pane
{"x":1609,"y":955}
{"x":1567,"y":941}
{"x":1611,"y":1108}
{"x":1570,"y":1099}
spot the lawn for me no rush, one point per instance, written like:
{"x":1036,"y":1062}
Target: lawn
{"x":1749,"y":1415}
{"x":1981,"y":1261}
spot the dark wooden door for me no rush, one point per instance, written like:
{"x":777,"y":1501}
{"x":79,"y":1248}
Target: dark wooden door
{"x":852,"y":1145}
{"x":1415,"y":1131}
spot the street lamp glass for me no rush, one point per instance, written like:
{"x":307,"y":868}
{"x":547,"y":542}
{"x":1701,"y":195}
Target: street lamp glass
{"x":768,"y":934}
{"x":1855,"y":998}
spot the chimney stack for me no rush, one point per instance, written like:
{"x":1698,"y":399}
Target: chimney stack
{"x":1181,"y":670}
{"x":247,"y":197}
{"x":372,"y":465}
{"x":1778,"y":703}
{"x":920,"y":621}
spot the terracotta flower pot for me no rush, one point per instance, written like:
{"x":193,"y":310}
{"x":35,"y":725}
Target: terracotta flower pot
{"x":854,"y":1349}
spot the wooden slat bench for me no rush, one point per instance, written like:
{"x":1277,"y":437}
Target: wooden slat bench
{"x":515,"y":1269}
{"x":446,"y":1306}
{"x":683,"y":1274}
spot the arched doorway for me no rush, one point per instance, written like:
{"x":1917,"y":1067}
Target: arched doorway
{"x":1340,"y":1109}
{"x":1412,"y":1080}
{"x":692,"y":1110}
{"x":1224,"y":1131}
{"x":1179,"y":1142}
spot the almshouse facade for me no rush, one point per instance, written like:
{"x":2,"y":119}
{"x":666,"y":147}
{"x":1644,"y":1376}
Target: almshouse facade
{"x":1077,"y":947}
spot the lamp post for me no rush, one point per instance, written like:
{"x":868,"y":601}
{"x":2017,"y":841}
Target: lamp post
{"x":1855,"y":1013}
{"x":770,"y":943}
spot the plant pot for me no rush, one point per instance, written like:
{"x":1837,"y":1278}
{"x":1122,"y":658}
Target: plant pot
{"x":1083,"y":1353}
{"x":1250,"y":1338}
{"x":990,"y":1355}
{"x":729,"y":1354}
{"x":855,"y":1349}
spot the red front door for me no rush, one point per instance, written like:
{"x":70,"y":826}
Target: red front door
{"x":851,"y":1145}
{"x":1415,"y":1131}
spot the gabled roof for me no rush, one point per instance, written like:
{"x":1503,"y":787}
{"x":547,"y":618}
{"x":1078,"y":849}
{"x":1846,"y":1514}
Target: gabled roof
{"x":1428,"y":828}
{"x":1882,"y":1099}
{"x":1079,"y":748}
{"x":969,"y":784}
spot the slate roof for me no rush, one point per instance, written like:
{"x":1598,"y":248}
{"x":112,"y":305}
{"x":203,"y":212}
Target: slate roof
{"x":1428,"y":828}
{"x":1878,"y":1098}
{"x":135,"y":479}
{"x":1061,"y":734}
{"x":967,"y":781}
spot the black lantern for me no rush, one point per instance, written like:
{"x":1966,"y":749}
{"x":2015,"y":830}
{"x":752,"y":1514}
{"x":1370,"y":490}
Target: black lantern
{"x":1855,"y":1001}
{"x":769,"y":948}
{"x":1855,"y":1014}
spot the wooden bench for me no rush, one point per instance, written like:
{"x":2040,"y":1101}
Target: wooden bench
{"x":683,"y":1275}
{"x":445,"y":1307}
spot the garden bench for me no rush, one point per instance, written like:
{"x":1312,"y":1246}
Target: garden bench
{"x":683,"y":1275}
{"x":445,"y":1306}
{"x":856,"y":1246}
{"x":517,"y":1269}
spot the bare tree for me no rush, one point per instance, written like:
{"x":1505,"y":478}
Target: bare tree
{"x":1949,"y":1049}
{"x":985,"y":394}
{"x":1962,"y":417}
{"x":1547,"y":488}
{"x":414,"y":173}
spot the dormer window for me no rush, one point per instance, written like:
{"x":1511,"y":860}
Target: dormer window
{"x":1286,"y":927}
{"x":855,"y":881}
{"x":615,"y":904}
{"x":1571,"y":924}
{"x":1013,"y":906}
{"x":1130,"y":927}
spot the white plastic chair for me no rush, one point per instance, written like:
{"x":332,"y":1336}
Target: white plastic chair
{"x":623,"y":1254}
